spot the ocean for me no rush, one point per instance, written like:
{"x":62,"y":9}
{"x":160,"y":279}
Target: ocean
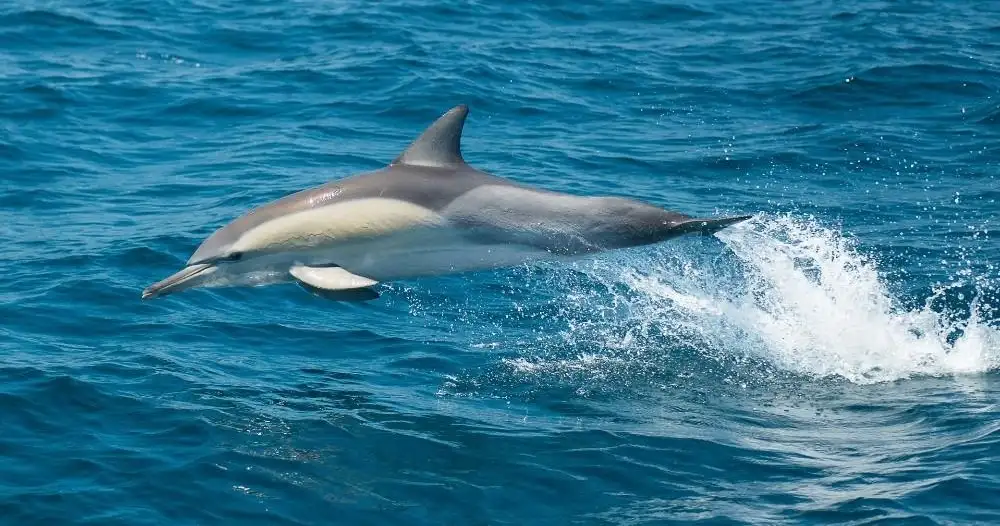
{"x":834,"y":360}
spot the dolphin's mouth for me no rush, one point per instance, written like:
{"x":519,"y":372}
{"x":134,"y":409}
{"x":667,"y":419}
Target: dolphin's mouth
{"x":177,"y":282}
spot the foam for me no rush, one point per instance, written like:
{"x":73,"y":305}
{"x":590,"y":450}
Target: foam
{"x":792,"y":293}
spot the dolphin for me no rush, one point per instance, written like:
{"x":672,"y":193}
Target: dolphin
{"x":426,"y":213}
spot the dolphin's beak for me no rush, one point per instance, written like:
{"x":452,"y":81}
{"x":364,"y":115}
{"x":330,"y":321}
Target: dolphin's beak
{"x":184,"y":279}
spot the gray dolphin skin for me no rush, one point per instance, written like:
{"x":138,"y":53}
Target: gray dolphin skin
{"x":426,"y":213}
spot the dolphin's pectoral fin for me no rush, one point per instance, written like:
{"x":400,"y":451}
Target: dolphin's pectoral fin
{"x":707,"y":227}
{"x":330,"y":278}
{"x":334,"y":283}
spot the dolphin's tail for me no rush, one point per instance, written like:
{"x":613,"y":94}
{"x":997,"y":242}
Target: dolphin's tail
{"x":707,"y":227}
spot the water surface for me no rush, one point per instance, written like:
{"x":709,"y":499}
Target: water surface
{"x":834,"y":360}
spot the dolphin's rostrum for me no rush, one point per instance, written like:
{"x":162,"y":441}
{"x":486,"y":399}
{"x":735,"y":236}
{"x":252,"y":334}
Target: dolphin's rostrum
{"x":426,"y":213}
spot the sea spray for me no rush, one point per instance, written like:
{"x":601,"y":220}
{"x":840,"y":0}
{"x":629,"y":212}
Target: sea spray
{"x":782,"y":293}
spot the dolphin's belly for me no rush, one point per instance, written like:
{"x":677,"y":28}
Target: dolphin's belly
{"x":429,"y":252}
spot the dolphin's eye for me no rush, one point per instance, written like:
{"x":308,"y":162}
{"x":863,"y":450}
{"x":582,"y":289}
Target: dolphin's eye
{"x":235,"y":256}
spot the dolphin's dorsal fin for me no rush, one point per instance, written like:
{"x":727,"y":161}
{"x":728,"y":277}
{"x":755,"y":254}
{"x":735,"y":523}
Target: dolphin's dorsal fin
{"x":440,"y":144}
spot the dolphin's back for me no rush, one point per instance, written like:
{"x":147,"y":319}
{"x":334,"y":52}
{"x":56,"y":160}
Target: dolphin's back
{"x":430,"y":183}
{"x":429,"y":187}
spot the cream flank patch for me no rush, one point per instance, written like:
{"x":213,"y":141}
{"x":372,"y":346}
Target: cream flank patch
{"x":346,"y":222}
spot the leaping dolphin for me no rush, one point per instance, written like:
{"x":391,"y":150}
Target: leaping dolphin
{"x":426,"y":213}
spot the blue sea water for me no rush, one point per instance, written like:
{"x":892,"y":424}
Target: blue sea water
{"x":834,"y":360}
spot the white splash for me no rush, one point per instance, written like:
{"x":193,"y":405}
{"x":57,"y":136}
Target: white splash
{"x":822,"y":309}
{"x":816,"y":306}
{"x":805,"y":301}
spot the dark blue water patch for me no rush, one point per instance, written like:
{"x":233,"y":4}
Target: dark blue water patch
{"x":49,"y":29}
{"x":991,"y":116}
{"x":875,"y":94}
